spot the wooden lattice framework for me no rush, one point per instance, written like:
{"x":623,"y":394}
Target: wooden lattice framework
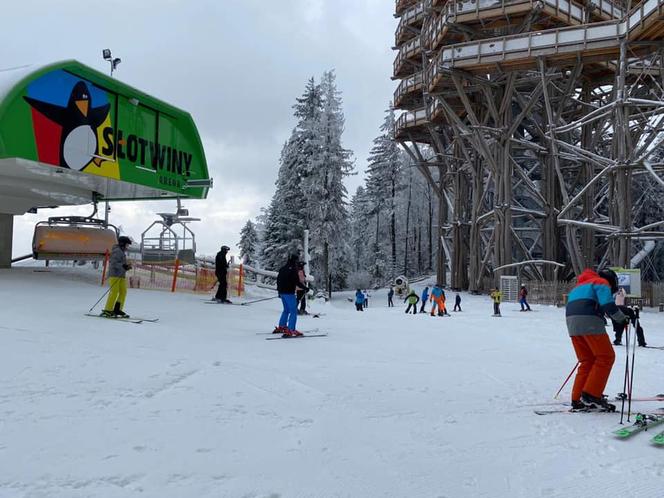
{"x":541,"y":116}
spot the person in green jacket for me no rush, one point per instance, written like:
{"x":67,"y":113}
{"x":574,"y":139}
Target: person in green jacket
{"x":412,"y":302}
{"x":497,"y":296}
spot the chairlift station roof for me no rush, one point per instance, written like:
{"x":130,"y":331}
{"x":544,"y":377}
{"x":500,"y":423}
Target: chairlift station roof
{"x":70,"y":134}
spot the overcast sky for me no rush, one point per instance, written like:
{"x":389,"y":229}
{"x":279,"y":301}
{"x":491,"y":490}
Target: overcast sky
{"x":235,"y":65}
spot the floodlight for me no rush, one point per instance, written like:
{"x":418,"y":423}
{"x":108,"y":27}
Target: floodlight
{"x":107,"y":54}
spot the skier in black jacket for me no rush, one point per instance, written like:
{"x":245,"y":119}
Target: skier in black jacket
{"x":288,"y":280}
{"x":220,"y":269}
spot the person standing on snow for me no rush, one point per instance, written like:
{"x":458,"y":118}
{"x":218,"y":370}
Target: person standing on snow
{"x":441,"y":305}
{"x":496,"y":295}
{"x":220,"y":270}
{"x":457,"y":302}
{"x":425,"y":298}
{"x":359,"y":300}
{"x":365,"y":304}
{"x":522,"y":299}
{"x":117,"y":271}
{"x":301,"y":293}
{"x":587,"y":304}
{"x":390,"y":295}
{"x":412,"y":301}
{"x":436,"y":296}
{"x":288,"y":281}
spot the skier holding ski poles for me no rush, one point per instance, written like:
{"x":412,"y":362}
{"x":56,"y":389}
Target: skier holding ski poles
{"x":587,"y":303}
{"x":287,"y":282}
{"x":220,"y":270}
{"x":117,"y":271}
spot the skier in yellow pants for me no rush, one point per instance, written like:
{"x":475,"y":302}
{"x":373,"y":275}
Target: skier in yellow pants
{"x":117,"y":269}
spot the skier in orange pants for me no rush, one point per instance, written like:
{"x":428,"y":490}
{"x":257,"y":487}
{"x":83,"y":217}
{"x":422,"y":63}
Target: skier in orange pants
{"x":587,"y":303}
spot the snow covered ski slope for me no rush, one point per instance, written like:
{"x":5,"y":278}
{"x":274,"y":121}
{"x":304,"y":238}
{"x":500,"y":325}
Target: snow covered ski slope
{"x":387,"y":405}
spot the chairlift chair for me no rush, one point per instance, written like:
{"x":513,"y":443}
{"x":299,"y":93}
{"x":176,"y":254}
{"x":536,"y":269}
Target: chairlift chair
{"x":70,"y":238}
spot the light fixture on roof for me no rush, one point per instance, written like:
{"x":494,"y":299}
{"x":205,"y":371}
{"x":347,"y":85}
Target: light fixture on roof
{"x":106,"y":53}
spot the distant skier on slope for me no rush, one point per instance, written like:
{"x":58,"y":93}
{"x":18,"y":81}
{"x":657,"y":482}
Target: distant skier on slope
{"x":390,"y":295}
{"x":442,"y":306}
{"x":497,"y":296}
{"x":301,"y":293}
{"x":436,"y":296}
{"x":359,"y":300}
{"x":619,"y":328}
{"x":586,"y":305}
{"x":457,"y":302}
{"x":412,"y":301}
{"x":425,"y":298}
{"x":117,"y":271}
{"x":220,"y":270}
{"x":523,"y":293}
{"x":287,"y":282}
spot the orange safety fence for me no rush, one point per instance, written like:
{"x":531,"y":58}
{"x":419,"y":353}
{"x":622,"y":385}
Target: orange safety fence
{"x":183,"y":278}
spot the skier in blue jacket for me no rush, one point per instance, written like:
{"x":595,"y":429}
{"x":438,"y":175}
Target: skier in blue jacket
{"x":425,"y":297}
{"x":359,"y":300}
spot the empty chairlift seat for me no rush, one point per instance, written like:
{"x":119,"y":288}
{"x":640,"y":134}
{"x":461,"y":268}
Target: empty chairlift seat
{"x":72,"y":238}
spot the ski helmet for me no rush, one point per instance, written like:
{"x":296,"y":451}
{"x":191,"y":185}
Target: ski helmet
{"x":225,"y":248}
{"x":124,"y":240}
{"x":610,"y":276}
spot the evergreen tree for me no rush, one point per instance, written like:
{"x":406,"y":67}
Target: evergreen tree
{"x":323,"y":184}
{"x":384,"y":178}
{"x":287,"y":215}
{"x":248,"y":243}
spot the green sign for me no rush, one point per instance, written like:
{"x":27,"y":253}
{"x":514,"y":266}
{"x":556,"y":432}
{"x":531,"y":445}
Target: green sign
{"x":69,"y":116}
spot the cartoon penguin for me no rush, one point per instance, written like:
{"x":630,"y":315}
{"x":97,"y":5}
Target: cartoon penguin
{"x":79,"y":121}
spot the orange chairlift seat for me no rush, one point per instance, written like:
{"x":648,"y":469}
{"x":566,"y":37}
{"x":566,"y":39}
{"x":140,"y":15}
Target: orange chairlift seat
{"x":68,"y":238}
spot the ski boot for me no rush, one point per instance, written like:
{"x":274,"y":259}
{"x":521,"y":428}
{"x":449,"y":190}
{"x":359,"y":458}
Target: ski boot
{"x":597,"y":404}
{"x":579,"y":406}
{"x":291,"y":333}
{"x":279,"y":330}
{"x":117,"y":312}
{"x":107,"y":314}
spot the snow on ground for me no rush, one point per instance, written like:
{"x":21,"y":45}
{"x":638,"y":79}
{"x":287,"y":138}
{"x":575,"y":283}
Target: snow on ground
{"x":388,"y":405}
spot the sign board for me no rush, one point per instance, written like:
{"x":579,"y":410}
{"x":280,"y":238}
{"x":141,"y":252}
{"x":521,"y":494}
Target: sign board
{"x":509,"y":286}
{"x":75,"y":119}
{"x":630,"y":280}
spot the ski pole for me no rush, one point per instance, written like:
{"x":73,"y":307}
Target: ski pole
{"x":258,"y":300}
{"x":626,"y":387}
{"x":631,"y":380}
{"x":104,"y":295}
{"x":566,"y":380}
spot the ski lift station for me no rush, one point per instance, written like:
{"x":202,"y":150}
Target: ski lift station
{"x":70,"y":135}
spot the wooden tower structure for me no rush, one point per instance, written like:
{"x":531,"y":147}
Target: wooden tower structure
{"x":541,"y":118}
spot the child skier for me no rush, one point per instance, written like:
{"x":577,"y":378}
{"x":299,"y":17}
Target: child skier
{"x":441,"y":306}
{"x":117,"y":271}
{"x":412,"y":301}
{"x":390,"y":295}
{"x":587,"y":303}
{"x":496,"y":295}
{"x":366,"y":299}
{"x":457,"y":302}
{"x":425,"y":298}
{"x":436,"y":300}
{"x":522,"y":299}
{"x":359,"y":300}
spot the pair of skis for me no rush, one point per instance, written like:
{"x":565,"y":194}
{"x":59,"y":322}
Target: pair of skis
{"x":643,"y":423}
{"x":305,"y":334}
{"x":131,"y":319}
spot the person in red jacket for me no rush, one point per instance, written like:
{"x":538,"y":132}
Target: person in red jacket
{"x":522,"y":299}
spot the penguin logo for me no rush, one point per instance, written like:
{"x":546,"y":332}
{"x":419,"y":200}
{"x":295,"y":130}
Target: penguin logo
{"x":79,"y":122}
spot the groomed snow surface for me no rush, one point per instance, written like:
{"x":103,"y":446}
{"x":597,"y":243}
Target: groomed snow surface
{"x":388,"y":405}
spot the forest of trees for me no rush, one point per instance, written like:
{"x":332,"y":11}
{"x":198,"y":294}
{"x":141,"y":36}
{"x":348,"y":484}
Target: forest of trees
{"x":385,"y":229}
